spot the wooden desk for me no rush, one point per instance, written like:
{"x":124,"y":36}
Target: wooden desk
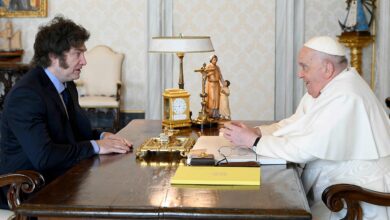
{"x":117,"y":186}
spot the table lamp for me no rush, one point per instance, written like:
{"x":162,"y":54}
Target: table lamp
{"x":181,"y":45}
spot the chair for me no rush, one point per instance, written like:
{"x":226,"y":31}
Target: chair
{"x":334,"y":195}
{"x":100,"y":81}
{"x":26,"y":181}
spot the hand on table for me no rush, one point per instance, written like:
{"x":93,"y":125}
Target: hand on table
{"x":240,"y":134}
{"x":112,"y":143}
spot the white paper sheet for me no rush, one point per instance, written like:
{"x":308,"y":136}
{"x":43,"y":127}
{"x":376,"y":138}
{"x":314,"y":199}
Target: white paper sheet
{"x":225,"y":152}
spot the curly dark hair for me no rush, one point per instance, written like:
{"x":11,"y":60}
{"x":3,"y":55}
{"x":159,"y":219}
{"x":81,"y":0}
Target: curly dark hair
{"x":56,"y":38}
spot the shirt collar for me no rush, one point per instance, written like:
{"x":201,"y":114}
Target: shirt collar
{"x":56,"y":82}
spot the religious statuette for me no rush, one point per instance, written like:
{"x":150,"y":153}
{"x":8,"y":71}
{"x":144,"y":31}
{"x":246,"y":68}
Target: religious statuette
{"x":356,"y":30}
{"x":10,"y":44}
{"x":360,"y":15}
{"x":203,"y":118}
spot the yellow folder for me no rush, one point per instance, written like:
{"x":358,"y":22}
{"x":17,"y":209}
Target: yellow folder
{"x":206,"y":175}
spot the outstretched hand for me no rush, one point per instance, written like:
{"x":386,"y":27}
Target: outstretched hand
{"x":112,"y":143}
{"x":240,"y":134}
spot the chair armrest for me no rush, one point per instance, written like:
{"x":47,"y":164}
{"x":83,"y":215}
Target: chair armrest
{"x":334,"y":195}
{"x":25,"y":181}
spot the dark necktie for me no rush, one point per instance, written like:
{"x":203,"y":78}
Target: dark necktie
{"x":66,"y":97}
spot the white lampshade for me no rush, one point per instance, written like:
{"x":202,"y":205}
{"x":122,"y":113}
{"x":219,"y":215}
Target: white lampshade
{"x":181,"y":44}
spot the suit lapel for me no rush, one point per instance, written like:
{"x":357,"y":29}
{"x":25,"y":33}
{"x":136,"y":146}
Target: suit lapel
{"x":52,"y":93}
{"x":77,"y":126}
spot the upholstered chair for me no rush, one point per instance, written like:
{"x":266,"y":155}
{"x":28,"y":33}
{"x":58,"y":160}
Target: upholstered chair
{"x":100,"y":81}
{"x":26,"y":181}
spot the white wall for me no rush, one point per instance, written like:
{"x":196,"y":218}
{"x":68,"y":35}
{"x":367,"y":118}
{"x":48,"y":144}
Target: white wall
{"x":322,"y":17}
{"x":120,"y":24}
{"x":243,"y":34}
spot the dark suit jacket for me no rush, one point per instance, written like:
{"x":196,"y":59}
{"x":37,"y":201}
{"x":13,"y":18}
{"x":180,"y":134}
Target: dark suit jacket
{"x":35,"y":131}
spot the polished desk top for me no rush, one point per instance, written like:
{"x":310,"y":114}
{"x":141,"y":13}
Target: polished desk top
{"x":119,"y":186}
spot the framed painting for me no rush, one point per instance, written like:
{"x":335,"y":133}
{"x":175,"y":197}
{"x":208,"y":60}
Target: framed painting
{"x":23,"y":8}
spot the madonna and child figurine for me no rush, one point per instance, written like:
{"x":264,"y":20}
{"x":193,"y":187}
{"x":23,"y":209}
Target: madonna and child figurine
{"x":215,"y":92}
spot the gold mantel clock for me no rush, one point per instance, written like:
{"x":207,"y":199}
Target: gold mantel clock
{"x":176,"y":108}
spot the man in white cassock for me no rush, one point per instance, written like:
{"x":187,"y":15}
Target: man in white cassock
{"x":340,"y":130}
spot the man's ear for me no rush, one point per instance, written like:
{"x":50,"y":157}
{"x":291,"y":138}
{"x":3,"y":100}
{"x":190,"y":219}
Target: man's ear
{"x":329,"y":70}
{"x":53,"y":58}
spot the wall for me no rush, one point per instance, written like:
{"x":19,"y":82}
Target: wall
{"x":322,"y":17}
{"x":243,"y":37}
{"x":243,"y":34}
{"x":120,"y":24}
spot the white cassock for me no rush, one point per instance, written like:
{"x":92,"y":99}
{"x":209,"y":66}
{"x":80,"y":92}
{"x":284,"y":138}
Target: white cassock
{"x":343,"y":136}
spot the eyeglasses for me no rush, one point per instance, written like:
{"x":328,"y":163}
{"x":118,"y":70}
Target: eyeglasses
{"x":233,"y":152}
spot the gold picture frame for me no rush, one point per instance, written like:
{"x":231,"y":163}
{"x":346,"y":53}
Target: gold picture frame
{"x":23,"y":8}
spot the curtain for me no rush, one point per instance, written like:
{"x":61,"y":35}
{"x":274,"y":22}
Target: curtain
{"x":159,"y":66}
{"x":382,"y":80}
{"x":290,"y":32}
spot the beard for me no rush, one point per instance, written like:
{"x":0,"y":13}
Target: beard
{"x":63,"y":62}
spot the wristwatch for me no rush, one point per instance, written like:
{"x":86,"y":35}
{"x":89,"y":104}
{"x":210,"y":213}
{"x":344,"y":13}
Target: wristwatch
{"x":255,"y":144}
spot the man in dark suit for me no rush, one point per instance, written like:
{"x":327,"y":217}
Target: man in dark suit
{"x":43,"y":126}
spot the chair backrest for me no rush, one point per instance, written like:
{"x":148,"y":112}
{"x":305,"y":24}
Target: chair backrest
{"x":102,"y":72}
{"x":334,"y":195}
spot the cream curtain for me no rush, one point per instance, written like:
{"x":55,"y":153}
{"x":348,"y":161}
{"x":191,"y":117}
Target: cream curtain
{"x":382,"y":80}
{"x":290,"y":32}
{"x":159,"y":66}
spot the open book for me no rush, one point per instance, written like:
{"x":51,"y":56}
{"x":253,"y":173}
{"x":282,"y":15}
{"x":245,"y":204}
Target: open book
{"x":225,"y":152}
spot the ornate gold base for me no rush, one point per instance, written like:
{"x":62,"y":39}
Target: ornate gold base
{"x":356,"y":41}
{"x":203,"y":119}
{"x":176,"y":124}
{"x":180,"y":145}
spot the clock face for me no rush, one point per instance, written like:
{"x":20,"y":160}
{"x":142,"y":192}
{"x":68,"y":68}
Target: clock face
{"x":179,"y":106}
{"x":176,"y":109}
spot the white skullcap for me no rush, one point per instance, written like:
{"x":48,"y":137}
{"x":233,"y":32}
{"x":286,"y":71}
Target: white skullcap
{"x":326,"y":45}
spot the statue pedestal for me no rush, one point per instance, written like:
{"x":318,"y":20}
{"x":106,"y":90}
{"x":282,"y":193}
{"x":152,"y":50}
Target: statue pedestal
{"x":356,"y":42}
{"x":11,"y":56}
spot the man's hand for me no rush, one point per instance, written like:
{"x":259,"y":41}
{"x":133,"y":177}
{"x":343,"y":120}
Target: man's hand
{"x":112,"y":143}
{"x":240,"y":134}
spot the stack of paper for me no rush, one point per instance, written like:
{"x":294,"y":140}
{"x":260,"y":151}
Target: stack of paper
{"x":198,"y":175}
{"x":224,"y":151}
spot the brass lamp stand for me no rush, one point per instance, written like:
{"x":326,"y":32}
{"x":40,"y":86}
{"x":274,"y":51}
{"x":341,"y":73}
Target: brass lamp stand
{"x":356,"y":42}
{"x":181,"y":75}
